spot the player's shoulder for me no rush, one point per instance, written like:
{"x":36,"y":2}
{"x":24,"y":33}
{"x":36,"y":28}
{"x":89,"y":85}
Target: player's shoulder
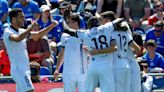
{"x":82,"y":30}
{"x":8,"y":30}
{"x":65,"y":35}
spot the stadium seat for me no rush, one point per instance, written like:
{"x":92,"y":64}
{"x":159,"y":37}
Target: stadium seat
{"x":44,"y":71}
{"x":158,"y":82}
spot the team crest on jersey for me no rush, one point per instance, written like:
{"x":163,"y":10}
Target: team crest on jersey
{"x":151,"y":63}
{"x":29,"y":10}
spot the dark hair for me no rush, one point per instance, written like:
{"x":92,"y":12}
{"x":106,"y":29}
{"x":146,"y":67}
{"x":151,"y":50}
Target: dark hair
{"x":93,"y":22}
{"x":108,"y":15}
{"x":75,"y":17}
{"x":14,"y":13}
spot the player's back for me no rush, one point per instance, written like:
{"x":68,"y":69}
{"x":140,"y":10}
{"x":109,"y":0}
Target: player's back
{"x":123,"y":40}
{"x":98,"y":38}
{"x":72,"y":54}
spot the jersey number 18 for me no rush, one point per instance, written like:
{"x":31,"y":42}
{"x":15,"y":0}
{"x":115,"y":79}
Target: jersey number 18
{"x":102,"y":40}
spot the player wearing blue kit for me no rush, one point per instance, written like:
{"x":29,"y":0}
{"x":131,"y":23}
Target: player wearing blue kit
{"x":15,"y":42}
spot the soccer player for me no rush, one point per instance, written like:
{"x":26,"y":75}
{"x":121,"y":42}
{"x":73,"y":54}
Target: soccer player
{"x":100,"y":68}
{"x":15,"y":41}
{"x":124,"y":41}
{"x":73,"y":57}
{"x":135,"y":79}
{"x":121,"y":66}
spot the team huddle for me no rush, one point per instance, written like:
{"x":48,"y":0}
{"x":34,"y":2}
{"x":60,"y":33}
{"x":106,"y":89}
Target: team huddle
{"x":101,"y":55}
{"x":109,"y":45}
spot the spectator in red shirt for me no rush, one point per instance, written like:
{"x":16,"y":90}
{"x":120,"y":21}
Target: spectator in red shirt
{"x":4,"y":61}
{"x":158,"y":13}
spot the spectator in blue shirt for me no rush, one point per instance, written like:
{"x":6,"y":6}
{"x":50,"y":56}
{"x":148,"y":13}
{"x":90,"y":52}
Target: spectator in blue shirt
{"x":29,"y":7}
{"x":11,"y":3}
{"x":3,"y":14}
{"x":61,"y":10}
{"x":157,"y":33}
{"x":154,"y":60}
{"x":3,"y":10}
{"x":45,"y":20}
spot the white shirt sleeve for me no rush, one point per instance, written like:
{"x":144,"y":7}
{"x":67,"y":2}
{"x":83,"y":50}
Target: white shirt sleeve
{"x":63,"y":40}
{"x":129,"y":37}
{"x":7,"y":33}
{"x":82,"y":34}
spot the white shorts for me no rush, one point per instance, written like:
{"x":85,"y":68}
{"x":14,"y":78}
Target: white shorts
{"x":122,"y":79}
{"x":135,"y":77}
{"x":100,"y":72}
{"x":73,"y":81}
{"x":122,"y":75}
{"x":23,"y":80}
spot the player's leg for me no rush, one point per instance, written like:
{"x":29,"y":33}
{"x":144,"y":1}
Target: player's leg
{"x":31,"y":90}
{"x":69,"y":83}
{"x":135,"y":77}
{"x":106,"y":78}
{"x":91,"y":81}
{"x":23,"y":81}
{"x":81,"y":83}
{"x":127,"y":80}
{"x":18,"y":89}
{"x":120,"y":79}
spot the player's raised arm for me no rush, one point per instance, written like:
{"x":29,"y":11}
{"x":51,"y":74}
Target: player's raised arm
{"x":24,"y":34}
{"x":39,"y":34}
